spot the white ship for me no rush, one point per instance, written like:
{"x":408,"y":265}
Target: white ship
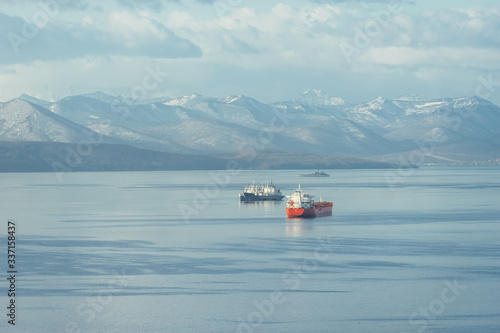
{"x":266,"y":192}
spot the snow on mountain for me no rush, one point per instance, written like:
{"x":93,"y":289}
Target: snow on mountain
{"x":410,"y":98}
{"x":101,"y":96}
{"x":448,"y":120}
{"x":154,"y":100}
{"x":190,"y":101}
{"x":133,"y":123}
{"x":34,"y":100}
{"x":89,"y":111}
{"x":137,"y":139}
{"x":315,"y":122}
{"x":256,"y":114}
{"x":81,"y":109}
{"x":414,"y":118}
{"x":378,"y":115}
{"x":313,"y":102}
{"x":205,"y":135}
{"x":416,"y":108}
{"x":237,"y":109}
{"x":318,"y":98}
{"x":232,"y":98}
{"x":336,"y":136}
{"x":24,"y":121}
{"x":195,"y":103}
{"x":472,"y":101}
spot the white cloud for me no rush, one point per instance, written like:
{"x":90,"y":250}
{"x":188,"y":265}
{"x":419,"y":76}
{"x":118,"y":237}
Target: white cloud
{"x":124,"y":34}
{"x":78,"y":75}
{"x":284,"y":37}
{"x":282,"y":49}
{"x":483,"y":58}
{"x":87,"y":20}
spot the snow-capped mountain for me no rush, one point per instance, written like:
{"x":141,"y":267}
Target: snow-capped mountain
{"x":447,"y":120}
{"x":89,"y":111}
{"x":237,"y":109}
{"x":314,"y":122}
{"x":318,"y":98}
{"x":379,"y":115}
{"x":34,"y":100}
{"x":23,"y":121}
{"x":410,"y":97}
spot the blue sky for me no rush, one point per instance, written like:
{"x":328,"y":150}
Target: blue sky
{"x":270,"y":50}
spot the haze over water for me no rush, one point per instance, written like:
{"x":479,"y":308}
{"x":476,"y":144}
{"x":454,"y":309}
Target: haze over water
{"x":111,"y":252}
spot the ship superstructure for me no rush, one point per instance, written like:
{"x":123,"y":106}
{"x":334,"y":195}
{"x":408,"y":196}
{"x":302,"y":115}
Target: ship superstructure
{"x":264,"y":192}
{"x":301,"y":204}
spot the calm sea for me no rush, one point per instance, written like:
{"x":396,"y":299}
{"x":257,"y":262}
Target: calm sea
{"x":414,"y":251}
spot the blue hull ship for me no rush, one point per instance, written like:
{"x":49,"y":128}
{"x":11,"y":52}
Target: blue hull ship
{"x":267,"y":192}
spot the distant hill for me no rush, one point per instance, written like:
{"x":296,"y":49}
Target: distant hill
{"x":55,"y":156}
{"x":273,"y":159}
{"x":24,"y":121}
{"x":459,"y":130}
{"x":65,"y":157}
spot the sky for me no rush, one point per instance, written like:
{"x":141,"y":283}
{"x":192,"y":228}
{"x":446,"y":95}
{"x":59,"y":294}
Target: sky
{"x":267,"y":49}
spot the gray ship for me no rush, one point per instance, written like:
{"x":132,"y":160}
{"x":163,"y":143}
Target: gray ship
{"x":314,"y":174}
{"x":267,"y":192}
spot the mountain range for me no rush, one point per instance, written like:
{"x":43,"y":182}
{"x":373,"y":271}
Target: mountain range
{"x":450,"y":131}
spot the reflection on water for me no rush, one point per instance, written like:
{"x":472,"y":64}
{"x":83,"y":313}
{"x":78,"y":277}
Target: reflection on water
{"x":261,"y":204}
{"x":296,"y":227}
{"x":116,"y":246}
{"x":263,"y":208}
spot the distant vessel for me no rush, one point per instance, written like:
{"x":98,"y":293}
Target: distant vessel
{"x":301,"y":204}
{"x":267,"y":192}
{"x":314,"y":174}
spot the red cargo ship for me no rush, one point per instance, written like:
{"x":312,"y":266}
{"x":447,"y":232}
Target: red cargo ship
{"x":300,"y":204}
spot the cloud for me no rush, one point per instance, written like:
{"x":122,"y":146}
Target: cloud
{"x":301,"y":45}
{"x":161,"y":5}
{"x":59,"y":4}
{"x":85,"y":5}
{"x":311,"y":36}
{"x":364,"y":3}
{"x":124,"y":33}
{"x":156,"y":5}
{"x":56,"y":79}
{"x":269,"y":50}
{"x":286,"y":36}
{"x":481,"y":58}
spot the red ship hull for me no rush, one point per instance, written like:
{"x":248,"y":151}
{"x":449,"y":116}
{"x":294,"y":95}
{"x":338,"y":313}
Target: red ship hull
{"x":319,"y":209}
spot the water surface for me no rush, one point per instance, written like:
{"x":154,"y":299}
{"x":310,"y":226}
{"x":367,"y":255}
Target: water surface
{"x":177,"y":252}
